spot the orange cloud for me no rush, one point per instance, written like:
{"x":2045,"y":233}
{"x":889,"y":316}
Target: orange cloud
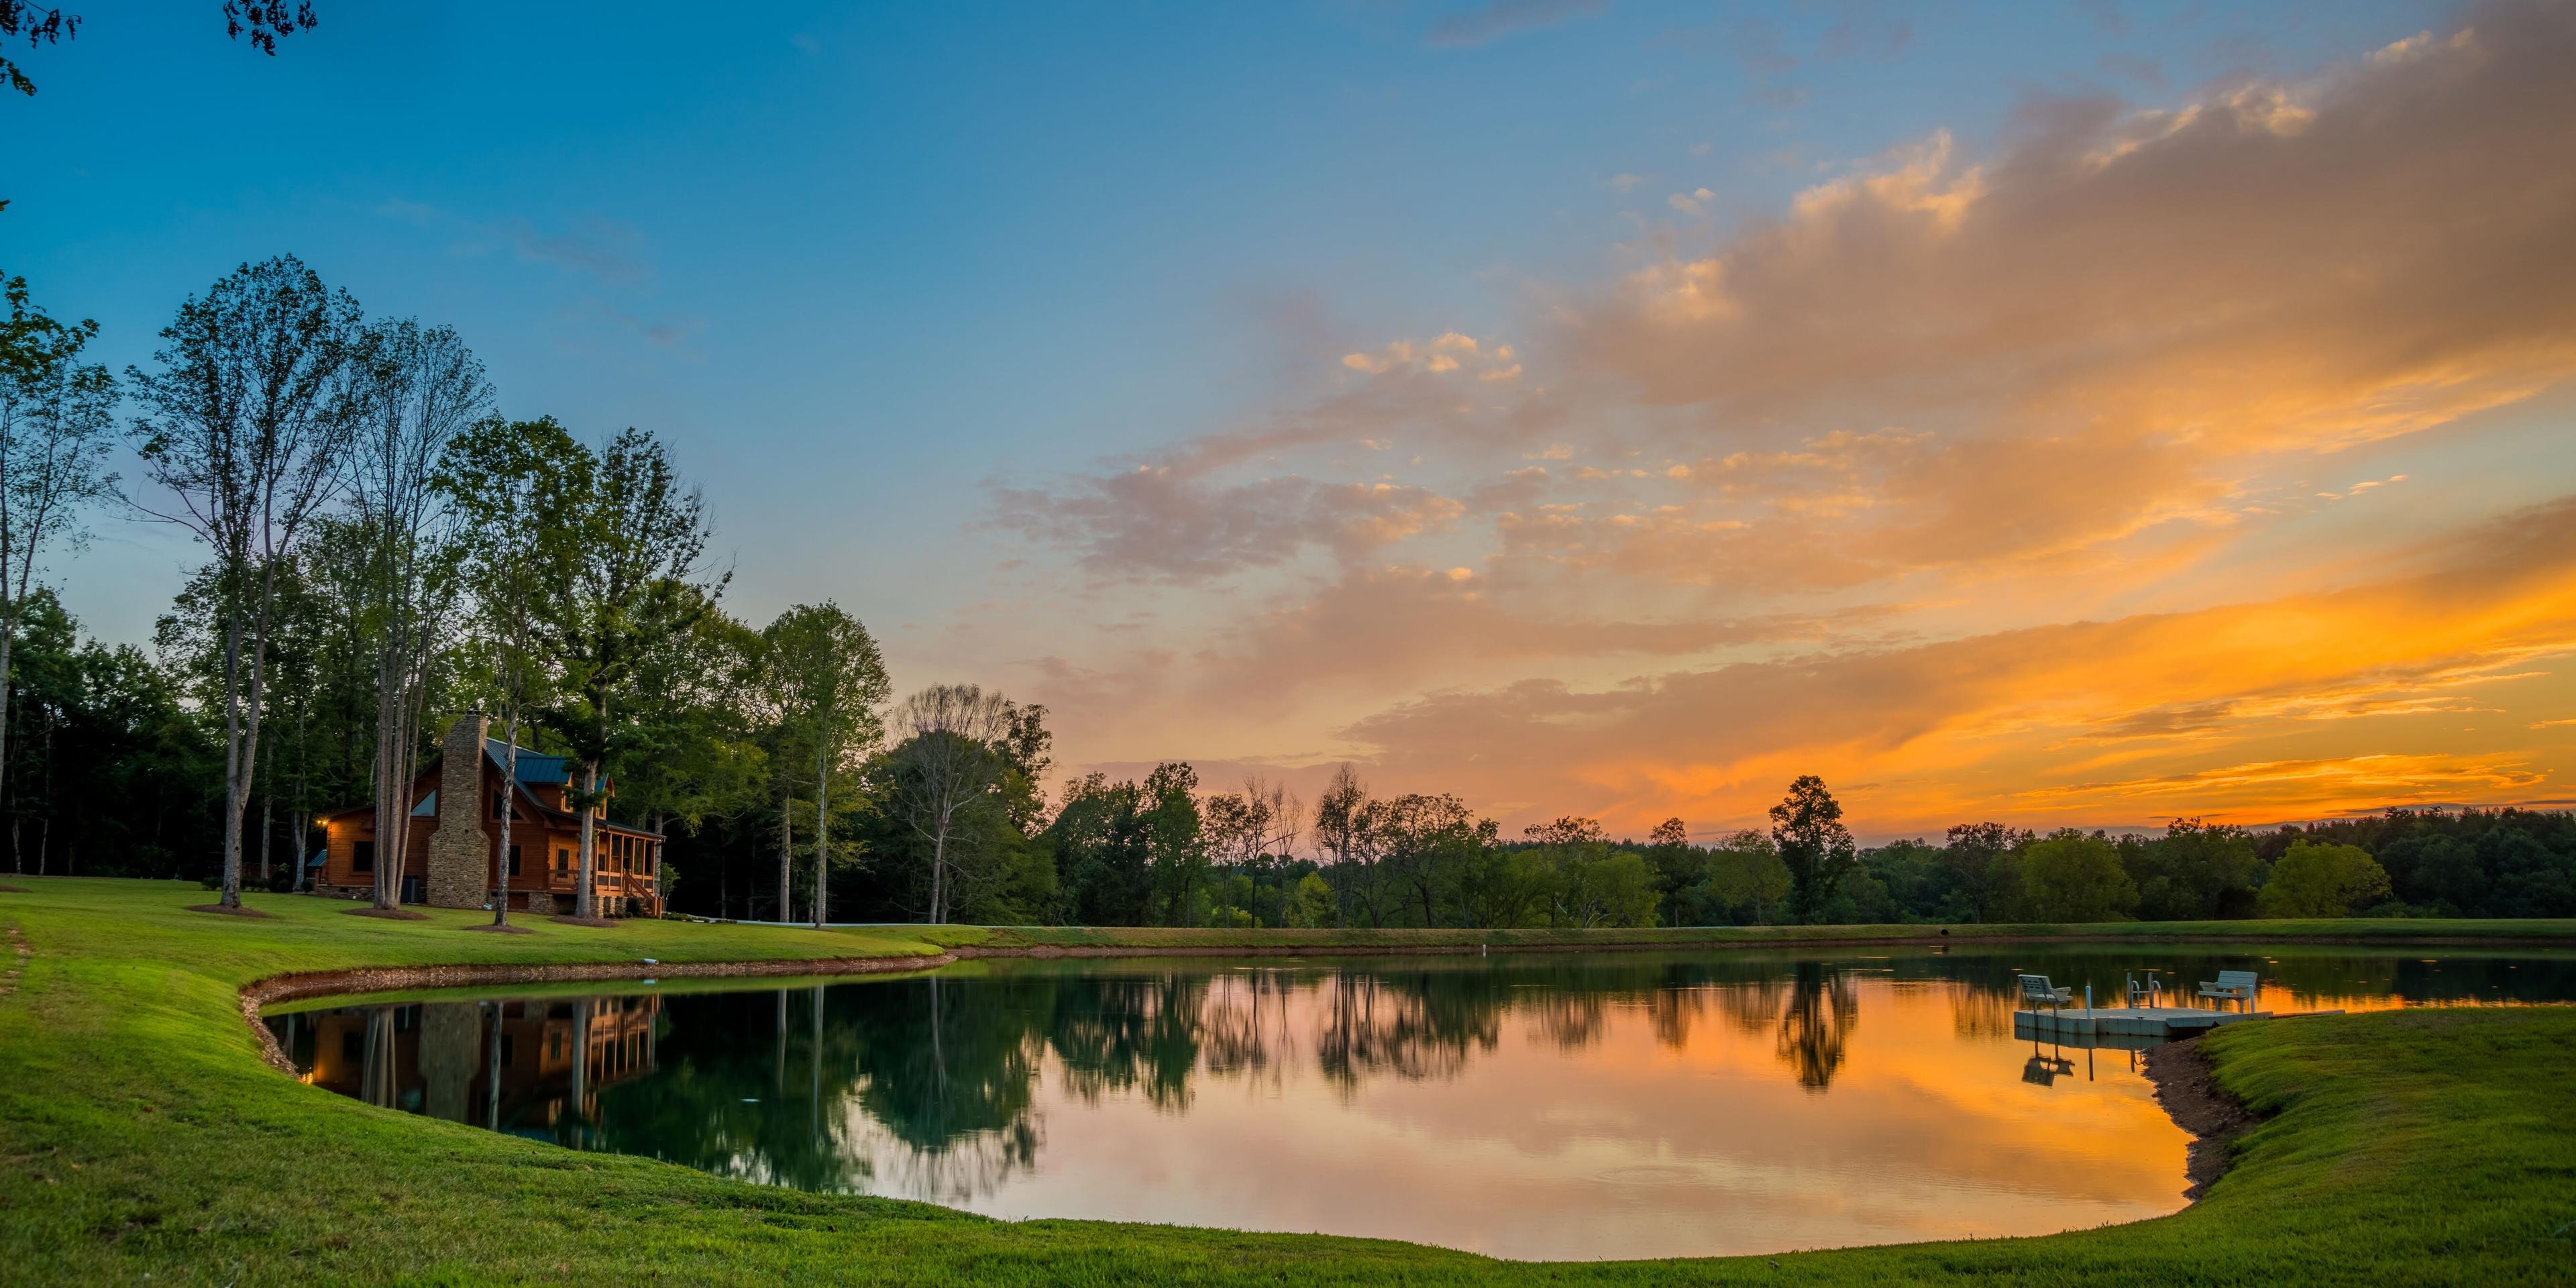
{"x":2302,"y":705}
{"x":1831,"y":492}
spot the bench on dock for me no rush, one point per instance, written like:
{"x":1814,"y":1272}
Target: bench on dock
{"x":2231,"y":986}
{"x":2036,"y":990}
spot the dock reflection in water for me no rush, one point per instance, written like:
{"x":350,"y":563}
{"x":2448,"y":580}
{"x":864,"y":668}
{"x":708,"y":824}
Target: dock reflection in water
{"x":1536,"y":1106}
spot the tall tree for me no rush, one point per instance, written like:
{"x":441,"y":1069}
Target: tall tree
{"x":1175,"y":848}
{"x":56,"y":415}
{"x":421,"y":388}
{"x":250,"y":420}
{"x":834,"y":682}
{"x":698,"y":758}
{"x":1807,"y":825}
{"x":632,"y":581}
{"x":944,"y":766}
{"x":515,"y":485}
{"x":1342,"y":833}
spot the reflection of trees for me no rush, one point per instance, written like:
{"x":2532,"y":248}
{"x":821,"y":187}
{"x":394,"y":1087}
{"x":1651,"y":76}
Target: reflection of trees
{"x":1414,"y":1026}
{"x":1244,"y":1025}
{"x":1113,"y":1034}
{"x":1570,"y":1020}
{"x":1979,"y":1010}
{"x":1823,"y":1010}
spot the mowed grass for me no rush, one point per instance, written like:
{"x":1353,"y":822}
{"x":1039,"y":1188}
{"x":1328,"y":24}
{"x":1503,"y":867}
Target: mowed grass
{"x":141,"y":1134}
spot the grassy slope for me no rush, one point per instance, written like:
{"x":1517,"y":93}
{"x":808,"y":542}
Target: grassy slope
{"x":140,"y":1133}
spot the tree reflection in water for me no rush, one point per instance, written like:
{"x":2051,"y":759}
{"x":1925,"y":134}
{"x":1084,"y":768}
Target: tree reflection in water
{"x":935,"y":1086}
{"x":1823,"y":1010}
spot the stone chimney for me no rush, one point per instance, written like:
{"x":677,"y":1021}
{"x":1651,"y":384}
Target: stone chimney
{"x":460,"y":850}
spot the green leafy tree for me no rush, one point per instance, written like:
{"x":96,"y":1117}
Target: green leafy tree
{"x":2323,"y":880}
{"x":1980,"y":859}
{"x":2195,"y":870}
{"x":1346,"y":844}
{"x":834,"y":682}
{"x":1817,"y":849}
{"x":1421,"y":840}
{"x":1176,"y":849}
{"x":1679,"y":868}
{"x":1746,"y":880}
{"x":57,"y":415}
{"x":517,"y":485}
{"x":415,"y":390}
{"x":633,"y":580}
{"x":249,"y":418}
{"x":1310,"y":903}
{"x":2075,"y":877}
{"x":943,"y":773}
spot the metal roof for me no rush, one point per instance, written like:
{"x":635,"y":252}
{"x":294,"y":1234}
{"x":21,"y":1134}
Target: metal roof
{"x":535,"y":768}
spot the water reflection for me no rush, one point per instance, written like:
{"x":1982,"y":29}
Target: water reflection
{"x":1628,"y":1105}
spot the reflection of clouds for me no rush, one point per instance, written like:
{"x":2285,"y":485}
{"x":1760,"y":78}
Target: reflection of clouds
{"x":961,"y":1170}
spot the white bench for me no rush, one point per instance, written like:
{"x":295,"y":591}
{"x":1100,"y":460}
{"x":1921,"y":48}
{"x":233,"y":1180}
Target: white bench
{"x":2231,"y":986}
{"x":2036,"y":990}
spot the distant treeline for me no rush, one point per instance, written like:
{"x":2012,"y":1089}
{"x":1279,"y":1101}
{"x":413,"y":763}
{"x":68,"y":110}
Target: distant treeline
{"x":114,"y":771}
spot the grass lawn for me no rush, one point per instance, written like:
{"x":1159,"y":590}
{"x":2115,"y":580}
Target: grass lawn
{"x":142,"y":1135}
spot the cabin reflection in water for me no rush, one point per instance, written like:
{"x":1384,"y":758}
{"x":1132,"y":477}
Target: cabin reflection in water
{"x":534,"y":1067}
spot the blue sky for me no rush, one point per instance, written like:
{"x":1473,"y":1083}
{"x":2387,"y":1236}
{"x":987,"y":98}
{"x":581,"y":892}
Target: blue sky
{"x":855,"y":259}
{"x":865,"y":265}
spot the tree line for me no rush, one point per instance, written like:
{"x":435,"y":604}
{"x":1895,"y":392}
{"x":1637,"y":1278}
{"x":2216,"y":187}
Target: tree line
{"x":383,"y":550}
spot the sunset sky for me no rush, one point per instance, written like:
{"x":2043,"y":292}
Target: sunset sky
{"x":2085,"y":413}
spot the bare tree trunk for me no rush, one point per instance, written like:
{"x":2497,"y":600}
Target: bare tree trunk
{"x":231,"y":893}
{"x":822,"y":829}
{"x":8,"y":638}
{"x":786,"y":852}
{"x":581,"y":1060}
{"x":303,"y":801}
{"x":938,"y":875}
{"x":585,"y":899}
{"x":509,"y":808}
{"x":267,"y":831}
{"x":492,"y":1077}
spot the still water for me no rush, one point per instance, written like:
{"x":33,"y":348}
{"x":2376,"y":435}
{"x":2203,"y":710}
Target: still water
{"x":1532,"y":1106}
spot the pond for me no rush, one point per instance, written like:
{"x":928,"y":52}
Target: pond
{"x":1525,"y":1106}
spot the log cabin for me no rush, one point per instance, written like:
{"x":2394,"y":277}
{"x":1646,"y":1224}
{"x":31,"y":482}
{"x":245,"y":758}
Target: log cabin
{"x":452,"y":855}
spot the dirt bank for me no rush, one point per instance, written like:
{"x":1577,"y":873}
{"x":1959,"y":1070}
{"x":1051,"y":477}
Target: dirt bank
{"x":2188,"y":1089}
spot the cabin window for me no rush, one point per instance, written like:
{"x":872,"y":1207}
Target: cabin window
{"x":563,"y":862}
{"x":514,"y":860}
{"x":362,"y":858}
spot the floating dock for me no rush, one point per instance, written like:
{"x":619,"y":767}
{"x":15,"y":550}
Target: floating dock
{"x":2129,"y":1025}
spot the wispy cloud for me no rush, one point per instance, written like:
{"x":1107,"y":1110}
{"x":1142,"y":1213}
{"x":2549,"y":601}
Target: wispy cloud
{"x":1499,"y":18}
{"x":601,"y":248}
{"x":1981,"y":478}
